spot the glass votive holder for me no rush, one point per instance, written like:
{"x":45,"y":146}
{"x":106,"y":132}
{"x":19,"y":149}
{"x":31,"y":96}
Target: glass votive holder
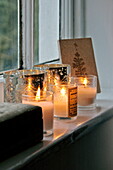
{"x":87,"y":90}
{"x":45,"y":101}
{"x":65,"y":101}
{"x":17,"y":81}
{"x":56,"y":73}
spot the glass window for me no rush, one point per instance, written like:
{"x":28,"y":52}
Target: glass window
{"x":38,"y":35}
{"x":36,"y":32}
{"x":8,"y":34}
{"x":46,"y":30}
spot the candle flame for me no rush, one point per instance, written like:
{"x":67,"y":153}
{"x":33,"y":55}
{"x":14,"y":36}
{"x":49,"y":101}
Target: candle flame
{"x":38,"y":94}
{"x":85,"y":81}
{"x":63,"y":91}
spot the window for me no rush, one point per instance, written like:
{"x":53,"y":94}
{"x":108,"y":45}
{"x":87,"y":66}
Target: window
{"x":30,"y":30}
{"x":28,"y":33}
{"x":48,"y":30}
{"x":8,"y":34}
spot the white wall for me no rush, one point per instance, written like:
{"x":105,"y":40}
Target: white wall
{"x":99,"y":26}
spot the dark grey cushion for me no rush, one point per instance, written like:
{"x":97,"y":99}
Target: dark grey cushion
{"x":21,"y":126}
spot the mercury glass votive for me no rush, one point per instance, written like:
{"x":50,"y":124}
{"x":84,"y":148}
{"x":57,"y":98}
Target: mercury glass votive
{"x":56,"y":73}
{"x":87,"y":90}
{"x":45,"y":101}
{"x":15,"y":82}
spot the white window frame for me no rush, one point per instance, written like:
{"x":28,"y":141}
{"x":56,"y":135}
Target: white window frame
{"x":72,"y":19}
{"x":27,"y":33}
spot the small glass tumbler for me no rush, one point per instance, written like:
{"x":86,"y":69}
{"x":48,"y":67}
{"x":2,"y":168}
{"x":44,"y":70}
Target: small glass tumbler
{"x":56,"y":73}
{"x":45,"y":101}
{"x":87,"y":90}
{"x":65,"y":101}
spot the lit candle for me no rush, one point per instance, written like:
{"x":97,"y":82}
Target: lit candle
{"x":47,"y":109}
{"x":61,"y":103}
{"x":65,"y":102}
{"x":86,"y":94}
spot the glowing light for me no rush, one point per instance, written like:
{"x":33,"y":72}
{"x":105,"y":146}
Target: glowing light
{"x":85,"y":81}
{"x":63,"y":91}
{"x":58,"y":133}
{"x":38,"y":94}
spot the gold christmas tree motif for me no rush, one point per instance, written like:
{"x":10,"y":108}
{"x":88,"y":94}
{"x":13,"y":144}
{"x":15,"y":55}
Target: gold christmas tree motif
{"x":78,"y":63}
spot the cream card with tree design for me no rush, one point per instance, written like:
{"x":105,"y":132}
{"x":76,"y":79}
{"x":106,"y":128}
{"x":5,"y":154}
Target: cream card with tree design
{"x":80,"y":55}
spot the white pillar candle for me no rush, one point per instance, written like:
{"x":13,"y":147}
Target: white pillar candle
{"x":47,"y":109}
{"x":65,"y":101}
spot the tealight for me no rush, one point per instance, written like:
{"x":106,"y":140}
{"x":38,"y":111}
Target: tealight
{"x":87,"y":89}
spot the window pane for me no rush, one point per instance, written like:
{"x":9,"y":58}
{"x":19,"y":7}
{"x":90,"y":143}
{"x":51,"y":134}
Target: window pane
{"x":36,"y":28}
{"x":8,"y":34}
{"x":46,"y":30}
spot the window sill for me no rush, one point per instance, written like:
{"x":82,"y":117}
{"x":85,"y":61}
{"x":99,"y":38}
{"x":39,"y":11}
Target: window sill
{"x":65,"y":133}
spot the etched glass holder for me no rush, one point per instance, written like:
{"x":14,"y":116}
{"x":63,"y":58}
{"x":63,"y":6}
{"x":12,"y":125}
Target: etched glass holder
{"x":18,"y":81}
{"x":56,"y":73}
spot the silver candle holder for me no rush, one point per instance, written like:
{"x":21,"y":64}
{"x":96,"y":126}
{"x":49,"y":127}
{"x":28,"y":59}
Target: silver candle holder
{"x":18,"y":81}
{"x":56,"y":73}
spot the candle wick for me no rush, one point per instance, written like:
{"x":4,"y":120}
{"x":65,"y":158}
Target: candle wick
{"x":84,"y":85}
